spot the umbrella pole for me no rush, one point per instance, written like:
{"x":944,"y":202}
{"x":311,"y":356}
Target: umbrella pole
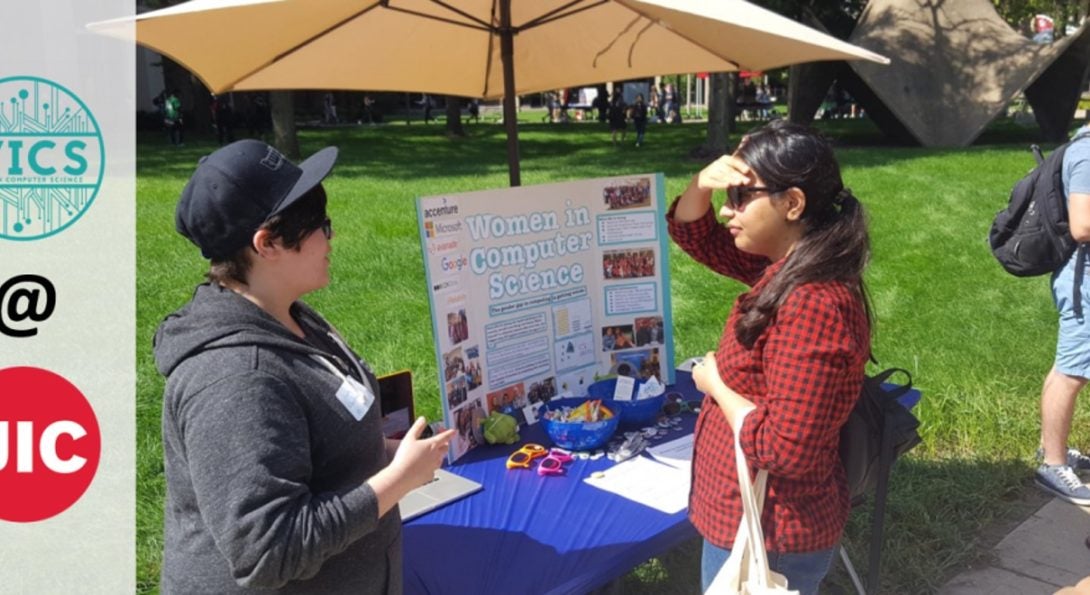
{"x":510,"y":117}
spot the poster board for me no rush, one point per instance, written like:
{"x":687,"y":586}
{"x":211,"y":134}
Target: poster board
{"x":536,"y":291}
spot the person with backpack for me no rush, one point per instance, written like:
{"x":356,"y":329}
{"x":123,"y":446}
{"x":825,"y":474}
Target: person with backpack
{"x":793,"y":350}
{"x":1069,"y":373}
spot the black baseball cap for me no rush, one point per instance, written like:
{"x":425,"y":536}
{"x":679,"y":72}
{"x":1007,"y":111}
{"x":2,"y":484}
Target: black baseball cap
{"x":239,"y":187}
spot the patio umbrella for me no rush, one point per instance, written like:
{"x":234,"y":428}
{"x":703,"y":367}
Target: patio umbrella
{"x":471,"y":48}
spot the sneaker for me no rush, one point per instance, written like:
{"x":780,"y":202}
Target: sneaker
{"x":1062,"y":482}
{"x":1075,"y":459}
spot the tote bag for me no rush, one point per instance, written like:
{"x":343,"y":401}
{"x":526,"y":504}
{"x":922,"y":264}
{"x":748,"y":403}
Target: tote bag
{"x":746,"y":571}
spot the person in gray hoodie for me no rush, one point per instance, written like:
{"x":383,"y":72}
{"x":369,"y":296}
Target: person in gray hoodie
{"x":278,"y":474}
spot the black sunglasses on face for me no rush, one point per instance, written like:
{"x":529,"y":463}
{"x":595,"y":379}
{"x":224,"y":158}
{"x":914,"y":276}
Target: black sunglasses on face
{"x":737,"y":195}
{"x":327,"y":228}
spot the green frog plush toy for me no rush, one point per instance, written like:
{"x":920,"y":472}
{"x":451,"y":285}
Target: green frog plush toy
{"x":500,"y":428}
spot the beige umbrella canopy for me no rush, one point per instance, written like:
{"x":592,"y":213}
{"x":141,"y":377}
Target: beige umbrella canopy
{"x":472,"y":48}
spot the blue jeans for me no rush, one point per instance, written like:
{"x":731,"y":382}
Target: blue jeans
{"x":803,"y":571}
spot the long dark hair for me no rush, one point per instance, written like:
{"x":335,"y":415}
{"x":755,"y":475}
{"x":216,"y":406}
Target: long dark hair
{"x":834,"y":245}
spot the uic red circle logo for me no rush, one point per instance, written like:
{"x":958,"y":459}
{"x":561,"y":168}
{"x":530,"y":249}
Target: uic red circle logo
{"x":49,"y":444}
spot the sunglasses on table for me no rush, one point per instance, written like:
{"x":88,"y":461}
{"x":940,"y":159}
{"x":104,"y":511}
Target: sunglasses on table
{"x":738,"y":195}
{"x":551,"y":464}
{"x":676,"y":403}
{"x":520,"y":459}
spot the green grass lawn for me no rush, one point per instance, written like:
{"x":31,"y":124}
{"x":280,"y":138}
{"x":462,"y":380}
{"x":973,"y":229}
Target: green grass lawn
{"x":977,"y":340}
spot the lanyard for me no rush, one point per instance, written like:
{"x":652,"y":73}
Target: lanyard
{"x":345,"y":352}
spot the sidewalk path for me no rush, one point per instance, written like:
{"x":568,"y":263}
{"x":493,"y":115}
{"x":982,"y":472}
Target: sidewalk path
{"x":1046,"y":552}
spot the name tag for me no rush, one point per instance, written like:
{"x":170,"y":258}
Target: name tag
{"x":355,"y":397}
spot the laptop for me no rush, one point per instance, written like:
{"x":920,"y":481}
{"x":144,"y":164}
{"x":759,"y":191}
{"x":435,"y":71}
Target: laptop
{"x":444,"y":489}
{"x":397,"y":416}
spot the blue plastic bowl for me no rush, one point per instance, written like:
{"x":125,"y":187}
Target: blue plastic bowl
{"x":633,"y":414}
{"x":578,"y":435}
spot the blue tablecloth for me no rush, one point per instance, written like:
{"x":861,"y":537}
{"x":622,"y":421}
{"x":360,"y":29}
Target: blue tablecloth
{"x":524,"y":533}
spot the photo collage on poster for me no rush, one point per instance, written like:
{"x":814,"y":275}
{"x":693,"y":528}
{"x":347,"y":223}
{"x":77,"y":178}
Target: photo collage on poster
{"x":461,"y":375}
{"x":538,"y":291}
{"x":632,"y":334}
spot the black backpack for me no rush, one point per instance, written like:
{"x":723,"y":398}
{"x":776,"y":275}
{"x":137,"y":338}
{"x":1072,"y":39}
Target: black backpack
{"x":861,"y":436}
{"x":1031,"y":236}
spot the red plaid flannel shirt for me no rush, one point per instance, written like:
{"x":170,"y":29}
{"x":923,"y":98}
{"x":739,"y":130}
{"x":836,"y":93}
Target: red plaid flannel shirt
{"x":804,"y":373}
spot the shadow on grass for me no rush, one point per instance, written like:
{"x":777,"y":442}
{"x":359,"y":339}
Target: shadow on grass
{"x":426,"y":152}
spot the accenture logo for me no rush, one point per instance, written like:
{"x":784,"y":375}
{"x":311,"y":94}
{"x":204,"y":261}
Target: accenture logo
{"x":442,"y":211}
{"x":52,"y":158}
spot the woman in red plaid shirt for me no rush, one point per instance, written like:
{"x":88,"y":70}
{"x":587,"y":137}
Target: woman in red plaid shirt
{"x":794,"y":346}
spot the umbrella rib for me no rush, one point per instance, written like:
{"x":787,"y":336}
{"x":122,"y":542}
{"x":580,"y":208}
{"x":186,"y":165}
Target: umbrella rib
{"x":463,"y":13}
{"x":488,"y":55}
{"x":481,"y":25}
{"x":632,"y":47}
{"x":553,"y":15}
{"x":606,"y":49}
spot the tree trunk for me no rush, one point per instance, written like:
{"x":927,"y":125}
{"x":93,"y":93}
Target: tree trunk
{"x":731,"y":102}
{"x":282,"y":104}
{"x":454,"y":116}
{"x":720,"y":116}
{"x":200,"y":100}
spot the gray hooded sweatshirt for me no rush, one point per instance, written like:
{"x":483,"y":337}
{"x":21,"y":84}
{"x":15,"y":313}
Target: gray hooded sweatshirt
{"x":267,"y":447}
